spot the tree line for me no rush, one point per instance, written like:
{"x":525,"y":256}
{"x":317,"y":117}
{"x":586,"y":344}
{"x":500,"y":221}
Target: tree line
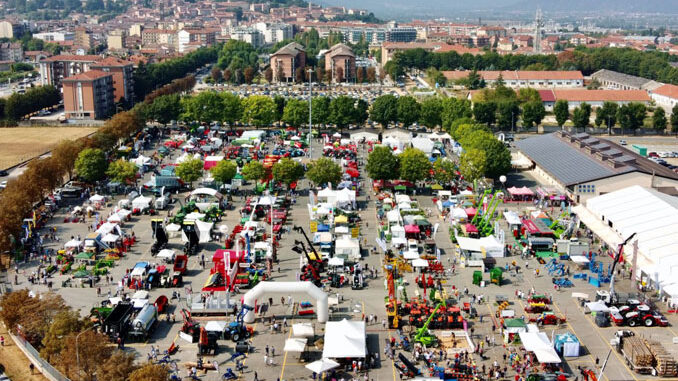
{"x":648,"y":64}
{"x":17,"y":105}
{"x":152,"y":76}
{"x":52,"y":327}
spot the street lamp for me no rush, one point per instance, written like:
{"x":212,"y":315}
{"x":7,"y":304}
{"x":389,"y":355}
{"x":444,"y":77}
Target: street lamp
{"x":310,"y":111}
{"x":77,"y":352}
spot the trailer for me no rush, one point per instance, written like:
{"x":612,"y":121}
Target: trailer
{"x":117,"y":322}
{"x":143,"y":324}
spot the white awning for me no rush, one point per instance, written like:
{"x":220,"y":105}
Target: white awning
{"x":411,"y":255}
{"x":302,"y":330}
{"x":420,"y":263}
{"x":73,"y":243}
{"x":322,"y":365}
{"x":335,"y":261}
{"x":110,"y":238}
{"x":539,"y":343}
{"x":215,"y":326}
{"x":344,"y":339}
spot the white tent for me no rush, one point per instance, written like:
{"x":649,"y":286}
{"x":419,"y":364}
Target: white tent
{"x":335,"y":261}
{"x":393,"y":216}
{"x":73,"y":244}
{"x":110,"y":238}
{"x":295,"y":344}
{"x":141,"y":160}
{"x":344,"y":339}
{"x":141,"y":202}
{"x":489,"y":245}
{"x":97,"y":198}
{"x":302,"y":330}
{"x":539,"y":343}
{"x":368,"y":136}
{"x":341,"y":229}
{"x":411,"y":255}
{"x":512,"y":218}
{"x":322,"y":365}
{"x":420,"y":263}
{"x":114,"y":218}
{"x":459,"y":214}
{"x":347,"y":248}
{"x":423,"y":144}
{"x":598,"y":306}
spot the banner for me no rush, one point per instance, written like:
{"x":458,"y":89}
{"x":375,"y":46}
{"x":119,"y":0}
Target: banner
{"x":314,"y":226}
{"x":355,"y":232}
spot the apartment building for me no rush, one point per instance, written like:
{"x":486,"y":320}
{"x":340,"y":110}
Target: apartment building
{"x":340,"y":62}
{"x":83,"y":38}
{"x":121,"y":71}
{"x":89,"y":95}
{"x":11,"y":51}
{"x":188,"y":39}
{"x":665,"y":96}
{"x":11,"y":29}
{"x":56,"y":68}
{"x":156,"y":37}
{"x":286,"y":60}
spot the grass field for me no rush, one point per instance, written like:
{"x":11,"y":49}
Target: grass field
{"x":22,"y":143}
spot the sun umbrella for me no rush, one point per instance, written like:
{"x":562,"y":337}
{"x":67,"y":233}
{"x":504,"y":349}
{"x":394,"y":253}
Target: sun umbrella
{"x":322,"y":365}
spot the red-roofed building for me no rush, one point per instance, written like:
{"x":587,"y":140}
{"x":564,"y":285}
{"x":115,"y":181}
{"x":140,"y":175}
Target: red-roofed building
{"x":518,"y":79}
{"x":121,"y":71}
{"x":56,"y":68}
{"x":596,"y":98}
{"x":666,"y":96}
{"x":89,"y":95}
{"x":548,"y":99}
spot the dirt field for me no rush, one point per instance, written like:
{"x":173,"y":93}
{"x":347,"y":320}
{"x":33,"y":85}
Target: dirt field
{"x":15,"y":362}
{"x":22,"y":143}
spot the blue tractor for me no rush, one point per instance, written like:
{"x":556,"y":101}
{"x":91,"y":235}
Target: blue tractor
{"x":237,"y":330}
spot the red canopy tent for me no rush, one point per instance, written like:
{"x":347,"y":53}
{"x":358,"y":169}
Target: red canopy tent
{"x":412,"y":229}
{"x":470,"y":212}
{"x":353,"y":172}
{"x":470,"y":228}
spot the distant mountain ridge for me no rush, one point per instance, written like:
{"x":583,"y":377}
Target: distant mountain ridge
{"x":446,"y":8}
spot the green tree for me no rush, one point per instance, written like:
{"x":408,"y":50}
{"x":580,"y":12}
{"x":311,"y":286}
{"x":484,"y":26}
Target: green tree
{"x":562,"y":112}
{"x":287,"y":171}
{"x":190,"y":170}
{"x":631,"y":116}
{"x":280,"y":103}
{"x":472,"y":164}
{"x":607,"y":114}
{"x":408,"y":110}
{"x":674,"y":119}
{"x":384,"y":110}
{"x":485,"y":112}
{"x":296,"y":112}
{"x":382,"y":164}
{"x":91,"y":165}
{"x":581,"y":115}
{"x":165,"y":108}
{"x":508,"y":114}
{"x":254,"y":171}
{"x":454,"y":109}
{"x":259,"y":110}
{"x":205,"y":107}
{"x":64,"y":323}
{"x":498,"y":157}
{"x":321,"y":110}
{"x":431,"y":112}
{"x":473,"y":81}
{"x":659,"y":119}
{"x":342,"y":111}
{"x":444,"y":170}
{"x":323,"y":171}
{"x":232,"y":108}
{"x":122,"y":171}
{"x":361,"y":112}
{"x":414,"y":165}
{"x":533,"y":113}
{"x":224,"y":171}
{"x":528,"y":94}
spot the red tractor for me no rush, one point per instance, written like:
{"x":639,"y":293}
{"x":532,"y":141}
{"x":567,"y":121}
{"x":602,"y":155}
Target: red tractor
{"x":548,"y":318}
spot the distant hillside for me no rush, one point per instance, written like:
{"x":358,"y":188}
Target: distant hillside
{"x":447,"y":8}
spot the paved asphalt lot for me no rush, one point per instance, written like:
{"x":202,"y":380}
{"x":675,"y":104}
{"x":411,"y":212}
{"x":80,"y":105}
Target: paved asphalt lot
{"x":595,"y":340}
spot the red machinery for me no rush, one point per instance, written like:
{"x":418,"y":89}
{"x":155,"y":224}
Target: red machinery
{"x":190,"y":326}
{"x":226,"y":268}
{"x":548,"y":318}
{"x":424,"y":282}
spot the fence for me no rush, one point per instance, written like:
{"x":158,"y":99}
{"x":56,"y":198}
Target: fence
{"x":41,"y":365}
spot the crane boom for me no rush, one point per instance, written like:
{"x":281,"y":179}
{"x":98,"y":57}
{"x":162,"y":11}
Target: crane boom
{"x":620,"y":251}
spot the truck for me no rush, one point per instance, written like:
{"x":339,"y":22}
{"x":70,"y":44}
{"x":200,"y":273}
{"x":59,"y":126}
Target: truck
{"x":572,"y":246}
{"x":144,"y":322}
{"x":158,"y":182}
{"x":117,"y":322}
{"x":617,"y":298}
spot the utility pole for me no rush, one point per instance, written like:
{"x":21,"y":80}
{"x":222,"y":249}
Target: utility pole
{"x":310,"y":111}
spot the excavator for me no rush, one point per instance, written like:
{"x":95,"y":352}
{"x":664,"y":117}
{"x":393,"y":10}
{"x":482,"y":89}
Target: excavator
{"x":423,"y":336}
{"x":311,"y":270}
{"x":392,"y":304}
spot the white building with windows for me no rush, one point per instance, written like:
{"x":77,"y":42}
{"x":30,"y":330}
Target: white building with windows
{"x":665,"y":96}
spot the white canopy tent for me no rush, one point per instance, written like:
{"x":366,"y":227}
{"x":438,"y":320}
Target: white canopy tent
{"x":302,"y":330}
{"x":539,"y":343}
{"x":345,"y":339}
{"x":335,"y":261}
{"x":419,"y":262}
{"x":322,"y":365}
{"x":97,"y":198}
{"x":347,"y":248}
{"x":490,"y":245}
{"x":368,"y":136}
{"x":423,"y":144}
{"x":110,"y":238}
{"x":73,"y":244}
{"x":141,"y":202}
{"x":216,"y":326}
{"x":411,"y":255}
{"x":295,"y":344}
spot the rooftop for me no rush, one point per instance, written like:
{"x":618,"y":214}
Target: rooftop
{"x":625,"y":79}
{"x":577,"y":95}
{"x":87,"y":76}
{"x":112,"y":62}
{"x":578,"y":158}
{"x":670,"y":91}
{"x":490,"y":75}
{"x":73,"y":58}
{"x":292,"y":49}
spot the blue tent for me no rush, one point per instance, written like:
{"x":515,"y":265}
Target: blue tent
{"x":567,"y":345}
{"x":447,"y":204}
{"x":323,"y":228}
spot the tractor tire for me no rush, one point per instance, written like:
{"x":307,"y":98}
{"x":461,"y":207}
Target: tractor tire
{"x":235,"y":337}
{"x":632,"y":323}
{"x":649,"y":322}
{"x":246,"y":334}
